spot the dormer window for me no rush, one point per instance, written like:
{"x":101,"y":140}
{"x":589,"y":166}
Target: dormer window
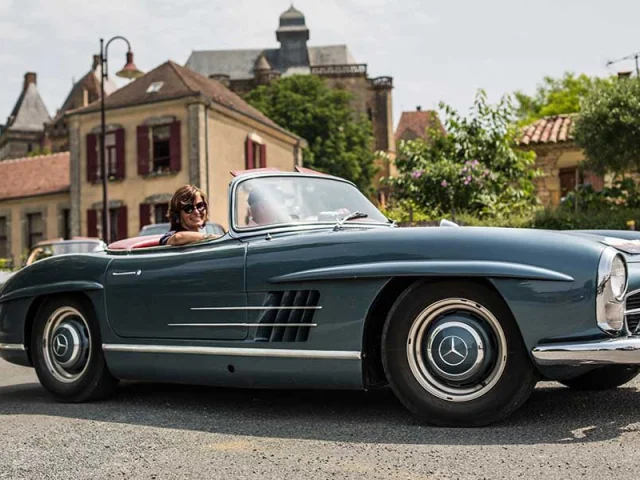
{"x":155,"y":87}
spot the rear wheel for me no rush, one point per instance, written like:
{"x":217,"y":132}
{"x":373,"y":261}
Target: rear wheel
{"x":67,"y":352}
{"x":603,"y":378}
{"x":454,"y":356}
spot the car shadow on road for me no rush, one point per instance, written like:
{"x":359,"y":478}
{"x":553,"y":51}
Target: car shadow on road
{"x":553,"y":414}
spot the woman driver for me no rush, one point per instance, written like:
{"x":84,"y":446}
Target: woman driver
{"x":188,"y":215}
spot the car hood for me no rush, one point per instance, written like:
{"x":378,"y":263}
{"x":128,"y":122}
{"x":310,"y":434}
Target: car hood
{"x":625,"y":241}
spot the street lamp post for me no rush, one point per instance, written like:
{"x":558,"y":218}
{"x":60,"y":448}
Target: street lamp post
{"x":129,"y":71}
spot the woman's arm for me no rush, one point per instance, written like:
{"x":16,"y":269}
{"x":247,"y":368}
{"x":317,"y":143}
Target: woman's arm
{"x":182,"y":238}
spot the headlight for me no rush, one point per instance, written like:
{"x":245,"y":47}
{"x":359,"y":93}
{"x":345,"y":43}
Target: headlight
{"x":610,"y":291}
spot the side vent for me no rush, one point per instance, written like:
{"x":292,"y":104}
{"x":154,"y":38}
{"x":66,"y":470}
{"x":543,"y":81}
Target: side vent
{"x":276,"y":320}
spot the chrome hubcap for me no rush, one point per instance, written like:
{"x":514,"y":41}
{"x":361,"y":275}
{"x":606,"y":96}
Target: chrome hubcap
{"x":66,"y":344}
{"x":456,"y":349}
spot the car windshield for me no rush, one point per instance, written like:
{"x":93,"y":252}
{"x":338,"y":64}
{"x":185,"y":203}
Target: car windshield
{"x":52,"y":249}
{"x":268,"y":201}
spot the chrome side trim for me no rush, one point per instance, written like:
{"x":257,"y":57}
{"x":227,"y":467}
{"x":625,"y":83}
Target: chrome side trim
{"x":633,"y":311}
{"x":117,"y":274}
{"x":242,"y":325}
{"x":624,"y":350}
{"x":12,"y":347}
{"x":255,"y":308}
{"x":234,"y":352}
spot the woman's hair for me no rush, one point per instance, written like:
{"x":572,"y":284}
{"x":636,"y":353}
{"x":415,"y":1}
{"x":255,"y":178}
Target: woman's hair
{"x":184,"y":195}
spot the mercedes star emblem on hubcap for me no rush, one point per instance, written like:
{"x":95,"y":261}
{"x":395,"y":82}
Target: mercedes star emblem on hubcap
{"x":453,"y":350}
{"x":60,"y":345}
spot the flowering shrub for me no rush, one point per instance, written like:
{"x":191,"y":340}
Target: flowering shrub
{"x":623,"y":193}
{"x":473,"y":168}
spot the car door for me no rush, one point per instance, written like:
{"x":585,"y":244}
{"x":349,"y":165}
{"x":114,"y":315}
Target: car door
{"x":192,"y":292}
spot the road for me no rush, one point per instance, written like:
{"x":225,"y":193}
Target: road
{"x":152,"y":431}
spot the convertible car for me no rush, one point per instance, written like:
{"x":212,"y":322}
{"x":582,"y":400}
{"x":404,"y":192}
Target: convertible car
{"x":312,"y":287}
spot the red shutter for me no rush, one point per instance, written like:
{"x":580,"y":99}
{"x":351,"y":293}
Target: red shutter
{"x":121,"y":218}
{"x":92,"y":223}
{"x":120,"y":164}
{"x":596,"y":182}
{"x":249,"y":160}
{"x":92,"y":157}
{"x":263,"y":156}
{"x":142,"y":136}
{"x":145,"y":214}
{"x":174,"y":147}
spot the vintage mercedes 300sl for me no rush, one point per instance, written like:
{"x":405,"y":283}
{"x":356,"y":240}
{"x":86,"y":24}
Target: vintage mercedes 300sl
{"x":325,"y":292}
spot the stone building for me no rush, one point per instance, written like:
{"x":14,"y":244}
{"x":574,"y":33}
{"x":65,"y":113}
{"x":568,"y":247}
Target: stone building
{"x":83,"y":92}
{"x":244,"y":70}
{"x":170,"y":127}
{"x":558,"y":157}
{"x":34,"y":202}
{"x":22,"y":134}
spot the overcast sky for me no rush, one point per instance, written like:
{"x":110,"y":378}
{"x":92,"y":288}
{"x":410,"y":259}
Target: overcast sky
{"x":435,"y":50}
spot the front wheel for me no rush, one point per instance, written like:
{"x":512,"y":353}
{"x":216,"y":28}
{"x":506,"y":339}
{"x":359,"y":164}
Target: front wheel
{"x":603,"y":378}
{"x":454,"y":356}
{"x":67,"y":352}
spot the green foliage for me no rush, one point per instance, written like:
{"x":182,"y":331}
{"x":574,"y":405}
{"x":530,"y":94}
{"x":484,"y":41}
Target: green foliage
{"x":562,"y":219}
{"x":623,"y":193}
{"x":340,"y":142}
{"x":5,"y":264}
{"x":555,"y":96}
{"x":608,"y":128}
{"x":473,"y":168}
{"x":39,"y":151}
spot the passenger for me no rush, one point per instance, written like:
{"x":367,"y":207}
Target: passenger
{"x":188,"y":215}
{"x":266,"y":207}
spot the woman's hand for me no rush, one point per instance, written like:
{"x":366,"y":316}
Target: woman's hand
{"x":183,"y":238}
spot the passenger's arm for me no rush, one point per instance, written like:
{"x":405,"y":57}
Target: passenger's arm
{"x":182,"y":238}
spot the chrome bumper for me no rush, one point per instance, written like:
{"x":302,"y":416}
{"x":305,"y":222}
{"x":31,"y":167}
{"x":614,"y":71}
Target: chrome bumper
{"x":623,"y":351}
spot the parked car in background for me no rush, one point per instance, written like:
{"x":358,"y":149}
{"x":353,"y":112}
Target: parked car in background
{"x":57,"y":246}
{"x":162,"y":228}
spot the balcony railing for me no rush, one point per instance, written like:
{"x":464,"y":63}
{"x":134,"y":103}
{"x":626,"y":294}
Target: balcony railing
{"x":347,"y":70}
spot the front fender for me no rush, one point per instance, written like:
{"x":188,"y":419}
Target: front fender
{"x":51,"y":288}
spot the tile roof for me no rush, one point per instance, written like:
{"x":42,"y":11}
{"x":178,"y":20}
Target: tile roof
{"x":414,"y":125}
{"x":29,"y":176}
{"x":29,"y":112}
{"x":553,"y":129}
{"x":91,"y":83}
{"x":240,"y":64}
{"x":177,"y":81}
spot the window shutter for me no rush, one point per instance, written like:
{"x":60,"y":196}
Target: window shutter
{"x":596,"y":181}
{"x":145,"y":214}
{"x":92,"y":223}
{"x":121,"y":218}
{"x":120,"y":163}
{"x":263,"y":156}
{"x":142,"y":136}
{"x":174,"y":147}
{"x":249,"y":158}
{"x":92,"y":157}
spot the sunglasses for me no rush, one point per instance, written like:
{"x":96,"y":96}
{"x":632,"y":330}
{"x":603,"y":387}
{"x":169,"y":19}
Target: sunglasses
{"x":189,"y":207}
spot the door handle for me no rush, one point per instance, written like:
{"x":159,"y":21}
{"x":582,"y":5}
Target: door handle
{"x":137,"y":272}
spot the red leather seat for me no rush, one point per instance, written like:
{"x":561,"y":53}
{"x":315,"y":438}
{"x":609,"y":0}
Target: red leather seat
{"x":136,"y":242}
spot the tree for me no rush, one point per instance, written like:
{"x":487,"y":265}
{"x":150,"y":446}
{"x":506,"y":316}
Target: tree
{"x":555,"y":96}
{"x":474,"y":167}
{"x":340,"y":141}
{"x":608,"y":128}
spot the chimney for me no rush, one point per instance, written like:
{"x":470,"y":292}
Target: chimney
{"x":419,"y":108}
{"x":96,"y":62}
{"x":625,"y":74}
{"x":29,"y":77}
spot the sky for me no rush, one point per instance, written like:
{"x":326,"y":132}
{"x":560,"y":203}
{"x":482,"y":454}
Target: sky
{"x":434,"y":50}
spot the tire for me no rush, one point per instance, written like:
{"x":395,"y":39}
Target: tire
{"x":603,"y":378}
{"x":483,"y":376}
{"x":67,"y":352}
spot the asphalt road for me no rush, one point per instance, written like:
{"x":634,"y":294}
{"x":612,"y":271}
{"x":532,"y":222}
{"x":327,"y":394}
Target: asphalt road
{"x":152,"y":431}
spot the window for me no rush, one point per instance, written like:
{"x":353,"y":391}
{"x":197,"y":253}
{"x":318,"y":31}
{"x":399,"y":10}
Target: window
{"x":35,"y":229}
{"x":109,"y":155}
{"x":160,"y":211}
{"x":155,"y":87}
{"x":4,"y":241}
{"x":161,"y":148}
{"x":255,"y":154}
